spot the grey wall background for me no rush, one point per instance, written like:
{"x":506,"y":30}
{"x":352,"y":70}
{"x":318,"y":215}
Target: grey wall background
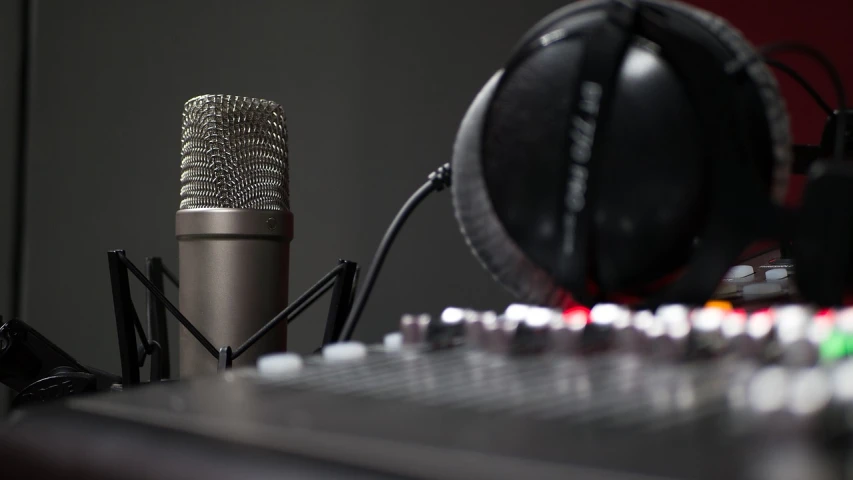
{"x":373,"y":89}
{"x":10,"y":31}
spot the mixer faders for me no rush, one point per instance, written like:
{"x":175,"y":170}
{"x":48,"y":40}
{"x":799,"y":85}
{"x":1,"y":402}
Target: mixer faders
{"x":793,"y":335}
{"x":792,"y":361}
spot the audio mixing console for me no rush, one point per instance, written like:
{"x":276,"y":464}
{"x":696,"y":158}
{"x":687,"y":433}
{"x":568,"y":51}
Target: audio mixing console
{"x":711,"y":392}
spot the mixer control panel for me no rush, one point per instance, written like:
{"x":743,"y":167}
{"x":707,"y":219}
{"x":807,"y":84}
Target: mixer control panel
{"x":790,"y":360}
{"x":794,"y":335}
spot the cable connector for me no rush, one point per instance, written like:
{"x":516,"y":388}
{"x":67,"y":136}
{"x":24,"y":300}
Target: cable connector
{"x":441,"y":177}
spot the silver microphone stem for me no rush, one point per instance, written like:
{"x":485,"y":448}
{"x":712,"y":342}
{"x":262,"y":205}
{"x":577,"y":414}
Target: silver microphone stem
{"x":233,"y":276}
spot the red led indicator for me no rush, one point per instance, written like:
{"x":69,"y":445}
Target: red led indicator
{"x":576,"y":315}
{"x":737,"y":314}
{"x":825,"y":315}
{"x":764,"y":316}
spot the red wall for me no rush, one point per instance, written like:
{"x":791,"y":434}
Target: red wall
{"x":824,"y":24}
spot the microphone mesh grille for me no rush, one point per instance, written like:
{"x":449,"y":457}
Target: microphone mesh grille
{"x":234,"y":154}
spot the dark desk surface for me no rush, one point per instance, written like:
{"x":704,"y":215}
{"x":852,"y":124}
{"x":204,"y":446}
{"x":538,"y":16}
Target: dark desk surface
{"x":438,"y":415}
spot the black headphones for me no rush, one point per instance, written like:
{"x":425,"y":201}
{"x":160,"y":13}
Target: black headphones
{"x":619,"y":156}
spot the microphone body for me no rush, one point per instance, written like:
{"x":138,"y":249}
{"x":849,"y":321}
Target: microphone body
{"x":234,"y":277}
{"x":234,"y":226}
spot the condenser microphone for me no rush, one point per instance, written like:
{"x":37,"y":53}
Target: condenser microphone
{"x":234,"y":226}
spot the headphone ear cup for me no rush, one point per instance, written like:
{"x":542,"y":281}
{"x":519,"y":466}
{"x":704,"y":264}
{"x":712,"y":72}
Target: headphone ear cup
{"x":824,"y":234}
{"x":775,"y":112}
{"x":480,"y":226}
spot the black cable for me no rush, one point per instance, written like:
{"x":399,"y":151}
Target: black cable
{"x":829,"y":68}
{"x":837,"y":84}
{"x":787,"y":70}
{"x":438,"y":180}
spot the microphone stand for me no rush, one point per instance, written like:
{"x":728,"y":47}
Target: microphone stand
{"x":39,"y":371}
{"x":342,"y":278}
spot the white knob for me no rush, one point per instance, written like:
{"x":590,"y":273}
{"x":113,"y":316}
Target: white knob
{"x":608,"y":313}
{"x":673,"y":312}
{"x":452,"y":315}
{"x":740,"y":271}
{"x":344,"y":352}
{"x":811,"y":391}
{"x":393,"y":341}
{"x":276,"y":364}
{"x":768,"y":390}
{"x":516,"y":312}
{"x":791,"y":323}
{"x":776,"y":274}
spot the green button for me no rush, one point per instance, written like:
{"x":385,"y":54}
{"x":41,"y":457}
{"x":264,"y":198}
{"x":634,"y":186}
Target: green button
{"x":836,"y":346}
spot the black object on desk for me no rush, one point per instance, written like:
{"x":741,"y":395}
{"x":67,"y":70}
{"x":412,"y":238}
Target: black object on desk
{"x":39,"y":371}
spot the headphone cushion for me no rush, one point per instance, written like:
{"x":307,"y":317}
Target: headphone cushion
{"x":480,"y":227}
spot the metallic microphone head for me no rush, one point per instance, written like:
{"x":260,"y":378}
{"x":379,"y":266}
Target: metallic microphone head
{"x":234,"y":154}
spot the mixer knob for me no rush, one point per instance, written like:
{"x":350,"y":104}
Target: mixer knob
{"x":630,"y":335}
{"x":844,"y":320}
{"x":566,"y":331}
{"x":822,"y":336}
{"x":793,"y":329}
{"x":810,"y":393}
{"x":840,"y":417}
{"x":414,"y":327}
{"x":707,"y":337}
{"x":604,"y":318}
{"x":517,"y":312}
{"x":733,"y":330}
{"x":497,"y":333}
{"x":475,"y":331}
{"x":668,"y":335}
{"x":448,"y":330}
{"x":655,"y":335}
{"x":787,"y":398}
{"x":839,"y":343}
{"x":842,"y":391}
{"x":748,"y":335}
{"x":408,"y":327}
{"x":768,"y":389}
{"x":739,"y":271}
{"x":531,"y":332}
